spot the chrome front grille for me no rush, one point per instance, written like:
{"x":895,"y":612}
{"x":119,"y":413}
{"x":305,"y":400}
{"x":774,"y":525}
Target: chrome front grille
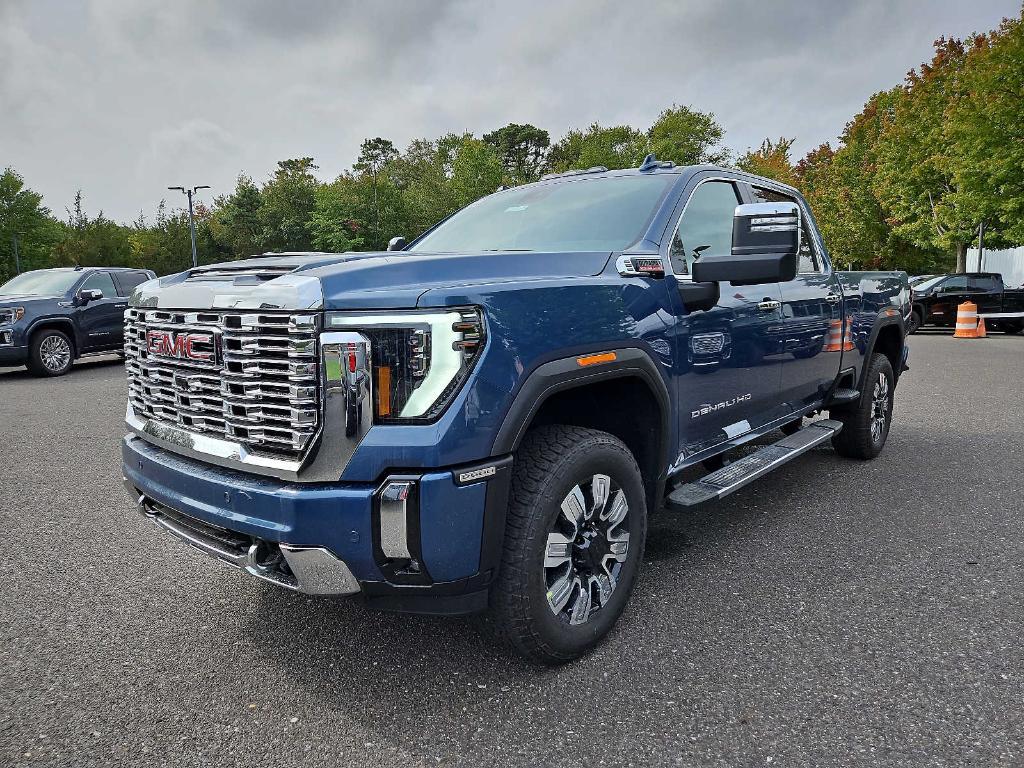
{"x":258,"y":384}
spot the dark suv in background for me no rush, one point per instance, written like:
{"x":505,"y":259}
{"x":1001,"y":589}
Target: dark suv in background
{"x":50,"y":317}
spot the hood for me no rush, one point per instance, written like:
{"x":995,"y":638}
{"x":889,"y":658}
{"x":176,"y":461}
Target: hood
{"x":389,"y":280}
{"x":376,"y":280}
{"x":25,"y":299}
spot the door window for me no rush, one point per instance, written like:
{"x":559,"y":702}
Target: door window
{"x":129,"y":280}
{"x":705,"y":226}
{"x":954,"y":284}
{"x":100,"y":281}
{"x":987,"y":284}
{"x":809,"y":262}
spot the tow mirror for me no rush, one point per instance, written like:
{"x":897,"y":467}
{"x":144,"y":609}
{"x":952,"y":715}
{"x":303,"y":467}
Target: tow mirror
{"x":765,"y":245}
{"x":397,"y":243}
{"x":89,"y":294}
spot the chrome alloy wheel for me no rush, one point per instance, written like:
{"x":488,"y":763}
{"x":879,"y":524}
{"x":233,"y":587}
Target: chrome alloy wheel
{"x":879,"y":408}
{"x":585,"y":550}
{"x":55,"y":353}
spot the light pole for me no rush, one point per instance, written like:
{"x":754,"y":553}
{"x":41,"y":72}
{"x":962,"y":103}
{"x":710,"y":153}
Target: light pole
{"x":17,"y":258}
{"x":188,"y":192}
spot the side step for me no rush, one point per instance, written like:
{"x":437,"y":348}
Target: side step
{"x":734,"y":476}
{"x":843,"y":396}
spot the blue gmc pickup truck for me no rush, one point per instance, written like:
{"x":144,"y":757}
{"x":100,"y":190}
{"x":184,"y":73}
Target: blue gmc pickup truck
{"x":481,"y":420}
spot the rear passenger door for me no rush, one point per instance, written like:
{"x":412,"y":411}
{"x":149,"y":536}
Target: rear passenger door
{"x":813,"y":336}
{"x":987,"y":292}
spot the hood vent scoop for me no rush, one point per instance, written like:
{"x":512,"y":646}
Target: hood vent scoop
{"x":241,"y":276}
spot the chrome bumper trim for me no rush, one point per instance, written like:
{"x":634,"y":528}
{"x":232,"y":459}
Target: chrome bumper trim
{"x":314,"y":570}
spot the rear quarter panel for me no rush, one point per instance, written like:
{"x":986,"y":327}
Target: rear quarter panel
{"x":871,"y":300}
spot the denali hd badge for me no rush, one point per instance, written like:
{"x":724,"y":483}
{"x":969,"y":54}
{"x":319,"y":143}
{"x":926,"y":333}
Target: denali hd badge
{"x":707,"y":408}
{"x":200,"y":347}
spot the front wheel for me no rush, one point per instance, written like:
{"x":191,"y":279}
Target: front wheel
{"x":866,"y":422}
{"x":574,"y":540}
{"x":50,"y":353}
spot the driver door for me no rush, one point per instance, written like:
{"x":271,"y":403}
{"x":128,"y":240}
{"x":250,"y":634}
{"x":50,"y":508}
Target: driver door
{"x":727,"y":356}
{"x":101,"y":320}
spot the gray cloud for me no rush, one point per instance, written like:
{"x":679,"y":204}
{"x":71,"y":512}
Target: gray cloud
{"x":122,"y":98}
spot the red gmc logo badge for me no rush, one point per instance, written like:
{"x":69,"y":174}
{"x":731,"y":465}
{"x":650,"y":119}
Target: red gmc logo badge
{"x":184,"y":346}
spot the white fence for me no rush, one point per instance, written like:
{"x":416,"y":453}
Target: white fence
{"x":1008,"y":263}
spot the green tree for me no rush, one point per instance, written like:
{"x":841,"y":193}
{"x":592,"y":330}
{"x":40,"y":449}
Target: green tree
{"x":236,"y":223}
{"x":687,"y":137}
{"x":374,"y":157}
{"x":915,"y":180}
{"x":770,"y":160}
{"x":523,"y":151}
{"x":288,"y":202}
{"x":617,"y":147}
{"x":92,"y":242}
{"x":23,"y":215}
{"x":986,"y":127}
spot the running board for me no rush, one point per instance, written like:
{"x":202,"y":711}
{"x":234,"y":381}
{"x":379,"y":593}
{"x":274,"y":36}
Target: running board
{"x":734,"y":476}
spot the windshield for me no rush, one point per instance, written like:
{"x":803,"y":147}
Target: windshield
{"x":41,"y":283}
{"x":597,"y":214}
{"x":925,"y":285}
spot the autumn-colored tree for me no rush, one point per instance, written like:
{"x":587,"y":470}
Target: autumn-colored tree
{"x":916,"y":181}
{"x":986,"y":127}
{"x":770,"y":160}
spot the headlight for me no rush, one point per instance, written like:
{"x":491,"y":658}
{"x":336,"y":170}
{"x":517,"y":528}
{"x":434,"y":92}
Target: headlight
{"x":11,"y":315}
{"x":418,"y":359}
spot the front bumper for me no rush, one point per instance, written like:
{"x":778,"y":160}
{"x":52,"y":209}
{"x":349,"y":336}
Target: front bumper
{"x":11,"y":354}
{"x":325,"y":538}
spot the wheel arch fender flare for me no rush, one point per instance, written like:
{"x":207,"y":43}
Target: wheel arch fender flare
{"x":886,"y":319}
{"x":59,"y":323}
{"x":566,"y":373}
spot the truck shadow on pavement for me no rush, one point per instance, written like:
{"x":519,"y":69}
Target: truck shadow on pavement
{"x":388,"y":670}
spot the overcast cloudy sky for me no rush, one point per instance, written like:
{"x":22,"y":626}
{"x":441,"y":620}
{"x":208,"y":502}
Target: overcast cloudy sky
{"x":123,"y":97}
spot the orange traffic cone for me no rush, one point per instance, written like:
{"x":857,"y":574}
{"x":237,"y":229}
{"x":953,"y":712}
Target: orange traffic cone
{"x":848,"y":338}
{"x":967,"y":322}
{"x":834,"y":341}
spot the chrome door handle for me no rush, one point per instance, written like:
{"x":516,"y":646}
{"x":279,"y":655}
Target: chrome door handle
{"x":765,"y":305}
{"x":833,"y":298}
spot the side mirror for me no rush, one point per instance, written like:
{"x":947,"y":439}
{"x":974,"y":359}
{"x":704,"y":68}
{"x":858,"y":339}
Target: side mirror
{"x":397,"y":243}
{"x":89,"y":294}
{"x":765,"y":246}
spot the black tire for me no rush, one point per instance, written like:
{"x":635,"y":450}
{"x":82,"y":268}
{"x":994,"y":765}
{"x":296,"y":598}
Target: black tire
{"x":915,"y":322}
{"x":551,"y":465}
{"x":866,"y":422}
{"x":792,"y":427}
{"x":50,"y":353}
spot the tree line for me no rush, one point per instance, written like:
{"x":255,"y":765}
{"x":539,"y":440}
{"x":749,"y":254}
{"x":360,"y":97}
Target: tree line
{"x":906,"y":185}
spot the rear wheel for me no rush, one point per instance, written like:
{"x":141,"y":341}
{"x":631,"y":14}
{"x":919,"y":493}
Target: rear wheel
{"x":915,"y":322}
{"x":50,"y":353}
{"x":574,"y":540}
{"x":866,"y":422}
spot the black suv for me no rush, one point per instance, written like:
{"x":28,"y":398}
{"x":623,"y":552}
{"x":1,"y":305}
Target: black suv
{"x":50,"y":317}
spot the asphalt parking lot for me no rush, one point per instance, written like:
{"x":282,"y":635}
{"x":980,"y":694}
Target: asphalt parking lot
{"x":834,"y":613}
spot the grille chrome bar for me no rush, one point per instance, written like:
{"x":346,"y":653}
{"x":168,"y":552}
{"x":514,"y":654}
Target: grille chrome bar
{"x":261,"y":390}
